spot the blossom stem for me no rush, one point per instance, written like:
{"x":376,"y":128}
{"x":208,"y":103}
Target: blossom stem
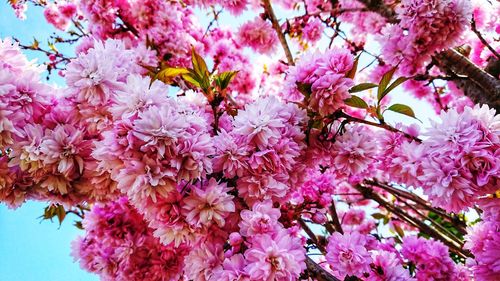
{"x":311,"y":235}
{"x":481,"y":38}
{"x":385,"y":126}
{"x":421,"y":202}
{"x":453,"y":245}
{"x":335,"y":218}
{"x":276,"y":25}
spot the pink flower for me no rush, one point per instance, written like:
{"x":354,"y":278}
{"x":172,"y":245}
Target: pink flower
{"x":431,"y":258}
{"x":159,"y":128}
{"x":279,"y":257}
{"x":410,"y":44}
{"x":230,"y":156}
{"x":263,"y":218}
{"x":92,"y":78}
{"x":387,"y":267}
{"x":65,"y":149}
{"x":354,"y":151}
{"x":259,"y":122}
{"x":207,"y":205}
{"x":259,"y":35}
{"x":203,"y":260}
{"x":118,"y":245}
{"x":347,"y":254}
{"x":329,"y":93}
{"x":232,"y":269}
{"x":138,"y":95}
{"x":313,"y":30}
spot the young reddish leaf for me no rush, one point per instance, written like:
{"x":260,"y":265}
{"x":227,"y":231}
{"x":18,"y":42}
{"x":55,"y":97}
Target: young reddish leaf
{"x":399,"y":230}
{"x":403,"y":109}
{"x":61,"y":213}
{"x":304,"y":88}
{"x":384,"y":82}
{"x":361,"y":87}
{"x":356,"y":101}
{"x":353,"y":70}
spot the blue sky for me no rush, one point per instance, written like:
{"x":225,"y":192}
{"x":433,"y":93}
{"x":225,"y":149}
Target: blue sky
{"x":31,"y":250}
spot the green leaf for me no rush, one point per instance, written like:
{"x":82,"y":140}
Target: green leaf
{"x":353,"y":70}
{"x":222,"y":80}
{"x":199,"y":65}
{"x":191,"y":78}
{"x":356,"y":101}
{"x":384,"y":82}
{"x":402,"y":109}
{"x":167,"y":74}
{"x":394,"y":84}
{"x":378,"y":216}
{"x":361,"y":87}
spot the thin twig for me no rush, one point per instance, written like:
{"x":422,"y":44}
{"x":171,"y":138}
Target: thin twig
{"x":481,"y":38}
{"x":279,"y":32}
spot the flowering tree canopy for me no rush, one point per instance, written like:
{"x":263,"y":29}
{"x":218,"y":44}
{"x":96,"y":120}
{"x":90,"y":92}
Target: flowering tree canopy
{"x":185,"y":157}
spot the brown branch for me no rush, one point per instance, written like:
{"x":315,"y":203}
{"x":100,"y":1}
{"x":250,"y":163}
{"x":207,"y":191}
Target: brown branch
{"x":335,"y":218}
{"x":485,"y":88}
{"x":481,"y":38}
{"x":316,"y":272}
{"x":379,"y":7}
{"x":453,"y":245}
{"x":378,"y":125}
{"x":311,"y":235}
{"x":279,"y":32}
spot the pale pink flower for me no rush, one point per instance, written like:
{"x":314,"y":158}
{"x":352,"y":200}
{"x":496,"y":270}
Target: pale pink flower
{"x":208,"y":204}
{"x":232,"y":269}
{"x":387,"y":267}
{"x":138,"y":95}
{"x":278,"y":257}
{"x":159,"y":128}
{"x":259,"y":122}
{"x":65,"y":148}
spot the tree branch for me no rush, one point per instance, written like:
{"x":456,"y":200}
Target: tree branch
{"x":451,"y":61}
{"x":317,"y":272}
{"x":453,"y":245}
{"x":279,"y":32}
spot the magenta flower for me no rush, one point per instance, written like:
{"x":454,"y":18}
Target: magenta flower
{"x":262,"y":219}
{"x":258,"y":35}
{"x":347,"y":254}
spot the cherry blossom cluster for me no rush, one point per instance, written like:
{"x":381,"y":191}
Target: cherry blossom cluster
{"x":323,"y":77}
{"x":425,"y":27}
{"x":288,"y":175}
{"x":483,"y":241}
{"x":458,"y":161}
{"x":118,"y":245}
